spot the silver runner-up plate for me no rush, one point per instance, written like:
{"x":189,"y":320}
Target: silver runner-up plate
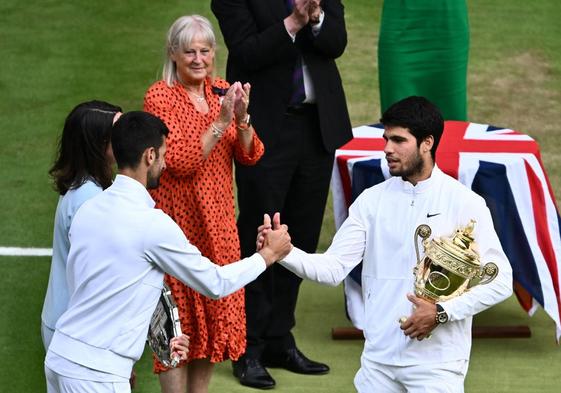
{"x":163,"y":327}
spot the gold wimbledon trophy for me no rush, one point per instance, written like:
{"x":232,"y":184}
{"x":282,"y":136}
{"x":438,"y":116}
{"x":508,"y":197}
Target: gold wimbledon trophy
{"x":450,"y":267}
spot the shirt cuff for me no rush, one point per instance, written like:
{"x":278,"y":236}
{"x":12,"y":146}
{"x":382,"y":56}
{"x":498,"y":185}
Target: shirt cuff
{"x":291,"y":256}
{"x":258,"y":258}
{"x":317,"y":27}
{"x":292,"y":37}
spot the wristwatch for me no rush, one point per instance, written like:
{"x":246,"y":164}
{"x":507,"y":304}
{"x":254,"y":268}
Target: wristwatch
{"x":441,"y":316}
{"x":245,"y":123}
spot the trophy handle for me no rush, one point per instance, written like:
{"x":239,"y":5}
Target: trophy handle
{"x":488,"y":273}
{"x":424,"y":232}
{"x":175,"y":360}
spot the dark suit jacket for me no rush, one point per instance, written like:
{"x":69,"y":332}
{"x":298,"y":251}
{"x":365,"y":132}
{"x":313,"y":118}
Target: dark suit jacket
{"x":262,"y":53}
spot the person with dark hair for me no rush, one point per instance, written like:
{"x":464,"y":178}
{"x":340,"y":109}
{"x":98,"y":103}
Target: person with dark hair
{"x":82,"y":169}
{"x":120,"y":248}
{"x":379,"y":230}
{"x":420,"y":116}
{"x":287,"y":51}
{"x":210,"y":128}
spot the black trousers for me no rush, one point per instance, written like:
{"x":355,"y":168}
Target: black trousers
{"x":292,"y":178}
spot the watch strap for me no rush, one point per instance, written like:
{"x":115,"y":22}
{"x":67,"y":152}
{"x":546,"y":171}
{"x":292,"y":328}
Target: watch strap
{"x":441,"y":315}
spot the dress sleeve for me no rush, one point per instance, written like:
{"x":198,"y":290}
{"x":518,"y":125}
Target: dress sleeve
{"x":249,"y":157}
{"x":184,"y":153}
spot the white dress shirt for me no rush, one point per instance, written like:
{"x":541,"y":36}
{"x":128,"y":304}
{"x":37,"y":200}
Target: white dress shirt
{"x":379,"y":232}
{"x":308,"y":84}
{"x":120,"y":248}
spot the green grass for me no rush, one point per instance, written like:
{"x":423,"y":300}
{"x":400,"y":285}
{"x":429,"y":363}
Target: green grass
{"x":56,"y":54}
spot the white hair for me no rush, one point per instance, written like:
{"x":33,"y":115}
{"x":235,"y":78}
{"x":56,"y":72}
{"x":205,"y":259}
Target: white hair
{"x":180,"y":35}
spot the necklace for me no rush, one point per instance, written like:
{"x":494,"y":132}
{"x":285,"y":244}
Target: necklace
{"x":199,"y":98}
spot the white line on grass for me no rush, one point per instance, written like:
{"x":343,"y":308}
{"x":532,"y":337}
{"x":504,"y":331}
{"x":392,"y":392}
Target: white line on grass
{"x":26,"y":252}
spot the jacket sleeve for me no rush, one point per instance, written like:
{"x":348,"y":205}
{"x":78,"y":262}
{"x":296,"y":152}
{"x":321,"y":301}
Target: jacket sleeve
{"x":251,"y":47}
{"x":255,"y":49}
{"x":331,"y":40}
{"x":184,"y":154}
{"x":346,"y":251}
{"x":167,"y":247}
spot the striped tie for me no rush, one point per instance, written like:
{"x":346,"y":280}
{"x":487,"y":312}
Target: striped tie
{"x":298,"y":90}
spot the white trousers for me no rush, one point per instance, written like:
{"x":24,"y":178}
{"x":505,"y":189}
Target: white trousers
{"x":445,"y":377}
{"x":57,"y":383}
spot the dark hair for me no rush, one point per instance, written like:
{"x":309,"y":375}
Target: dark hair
{"x":419,"y":115}
{"x":132,"y":134}
{"x":82,"y":147}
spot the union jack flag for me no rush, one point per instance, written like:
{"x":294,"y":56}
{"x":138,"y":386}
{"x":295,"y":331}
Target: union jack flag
{"x":501,"y":165}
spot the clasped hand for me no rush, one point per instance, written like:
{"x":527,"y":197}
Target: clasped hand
{"x":305,"y":11}
{"x":273,"y":236}
{"x":423,"y":319}
{"x":234,"y":104}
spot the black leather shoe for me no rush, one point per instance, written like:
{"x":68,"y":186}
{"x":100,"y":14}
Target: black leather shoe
{"x":251,"y":373}
{"x":295,"y":361}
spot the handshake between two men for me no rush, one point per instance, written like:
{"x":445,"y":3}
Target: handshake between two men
{"x":331,"y":268}
{"x":273,"y":236}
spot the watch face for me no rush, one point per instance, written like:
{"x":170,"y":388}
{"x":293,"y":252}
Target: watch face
{"x":442,"y":318}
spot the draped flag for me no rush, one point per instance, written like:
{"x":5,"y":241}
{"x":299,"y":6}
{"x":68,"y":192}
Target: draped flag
{"x":501,"y":165}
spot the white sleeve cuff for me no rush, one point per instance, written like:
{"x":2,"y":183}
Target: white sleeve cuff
{"x":317,"y":27}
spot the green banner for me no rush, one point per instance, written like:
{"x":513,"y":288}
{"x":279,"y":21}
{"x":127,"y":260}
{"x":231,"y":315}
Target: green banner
{"x":423,"y":50}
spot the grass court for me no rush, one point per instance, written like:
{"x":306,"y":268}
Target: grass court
{"x":56,"y":54}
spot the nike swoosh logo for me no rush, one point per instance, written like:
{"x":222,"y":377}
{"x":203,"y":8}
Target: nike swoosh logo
{"x":432,"y":215}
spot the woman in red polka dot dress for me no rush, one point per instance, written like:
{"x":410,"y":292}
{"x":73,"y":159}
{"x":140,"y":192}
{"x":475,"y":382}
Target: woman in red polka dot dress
{"x":208,"y":129}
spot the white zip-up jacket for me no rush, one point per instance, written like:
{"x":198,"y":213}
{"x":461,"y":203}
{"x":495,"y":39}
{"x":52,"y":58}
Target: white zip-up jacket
{"x":380,"y":232}
{"x":120,"y":248}
{"x":56,"y":298}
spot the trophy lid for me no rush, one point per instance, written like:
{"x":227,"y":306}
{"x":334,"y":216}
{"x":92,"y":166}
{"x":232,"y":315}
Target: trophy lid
{"x":461,"y":246}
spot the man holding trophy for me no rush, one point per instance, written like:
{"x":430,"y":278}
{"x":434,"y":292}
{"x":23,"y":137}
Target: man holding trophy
{"x":418,"y":308}
{"x":120,"y":248}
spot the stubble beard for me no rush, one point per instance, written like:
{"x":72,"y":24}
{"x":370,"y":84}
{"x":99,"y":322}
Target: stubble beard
{"x":415,"y":168}
{"x":153,"y":181}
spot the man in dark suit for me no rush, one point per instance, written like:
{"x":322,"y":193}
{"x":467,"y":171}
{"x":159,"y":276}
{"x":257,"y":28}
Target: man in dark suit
{"x":286,"y":50}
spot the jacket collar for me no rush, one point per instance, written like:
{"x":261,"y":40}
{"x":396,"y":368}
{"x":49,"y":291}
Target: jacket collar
{"x":422,"y":185}
{"x":132,"y":189}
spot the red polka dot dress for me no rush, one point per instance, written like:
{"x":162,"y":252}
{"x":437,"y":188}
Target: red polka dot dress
{"x":198,"y":195}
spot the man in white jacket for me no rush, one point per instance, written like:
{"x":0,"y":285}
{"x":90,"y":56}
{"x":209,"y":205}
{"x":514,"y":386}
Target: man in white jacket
{"x":379,"y":232}
{"x":120,"y":248}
